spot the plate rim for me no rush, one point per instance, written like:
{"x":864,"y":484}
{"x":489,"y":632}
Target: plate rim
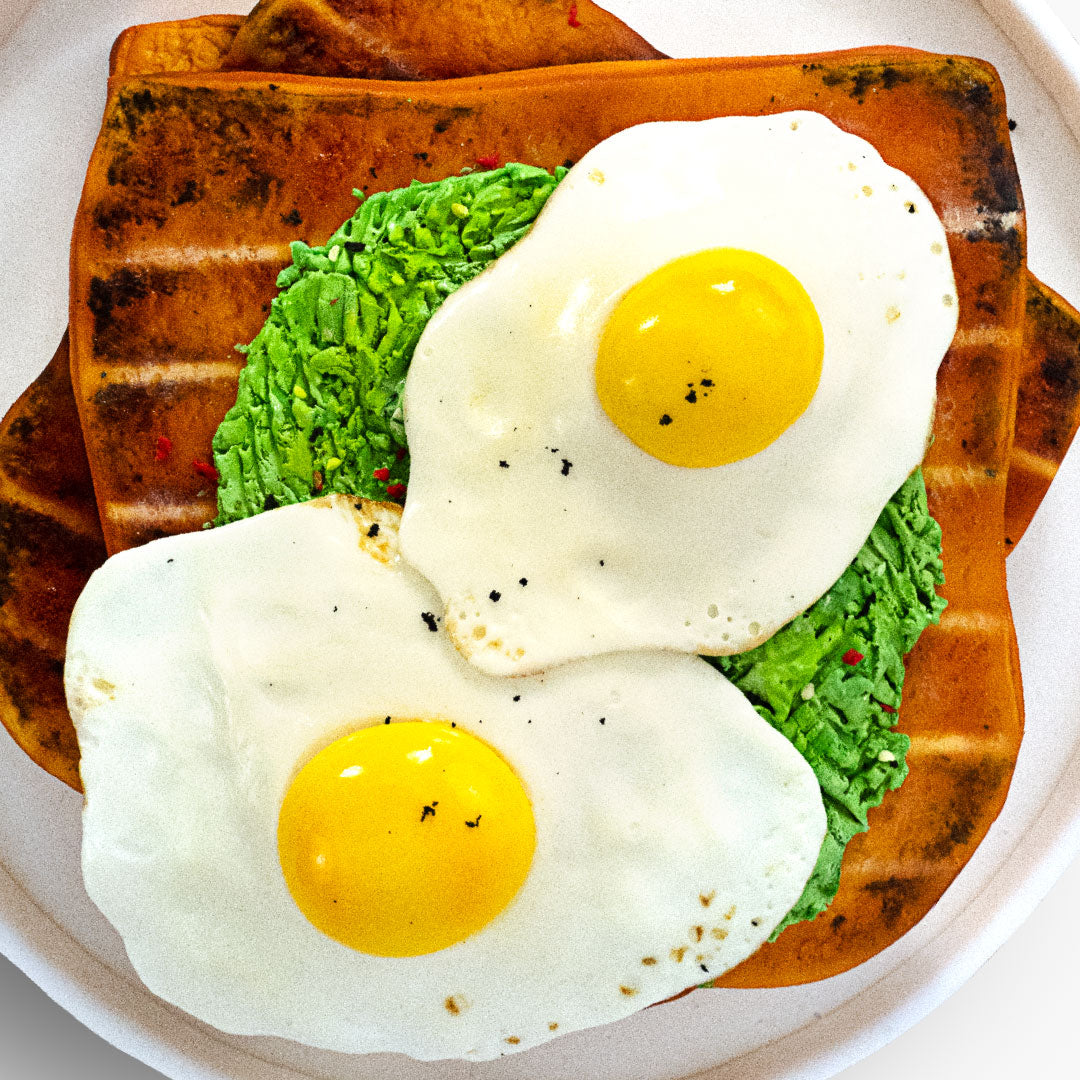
{"x":64,"y":968}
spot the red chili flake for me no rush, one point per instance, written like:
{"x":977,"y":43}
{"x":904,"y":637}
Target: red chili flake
{"x":381,"y":474}
{"x":571,"y":17}
{"x":852,"y":657}
{"x":400,"y":455}
{"x":163,"y":449}
{"x":887,"y":708}
{"x":204,"y":468}
{"x":335,"y":300}
{"x":396,"y":491}
{"x":488,"y":161}
{"x":317,"y":480}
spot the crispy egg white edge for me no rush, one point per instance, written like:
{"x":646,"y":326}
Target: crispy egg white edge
{"x":470,"y":401}
{"x":171,"y":653}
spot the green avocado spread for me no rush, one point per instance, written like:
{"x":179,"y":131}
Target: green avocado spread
{"x":319,"y":404}
{"x":831,"y":679}
{"x":319,"y":410}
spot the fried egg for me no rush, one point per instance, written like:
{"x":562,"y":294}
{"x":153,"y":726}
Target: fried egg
{"x":671,"y":414}
{"x":307,"y":816}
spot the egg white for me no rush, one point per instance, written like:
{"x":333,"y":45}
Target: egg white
{"x":518,"y":475}
{"x":203,"y":670}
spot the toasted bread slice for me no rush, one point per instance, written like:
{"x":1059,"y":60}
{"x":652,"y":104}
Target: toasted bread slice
{"x":421,"y":39}
{"x":300,"y":36}
{"x":1048,"y":404}
{"x":50,"y":544}
{"x":198,"y":182}
{"x":198,"y":44}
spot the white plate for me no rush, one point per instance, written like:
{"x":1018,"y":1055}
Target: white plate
{"x":52,"y":63}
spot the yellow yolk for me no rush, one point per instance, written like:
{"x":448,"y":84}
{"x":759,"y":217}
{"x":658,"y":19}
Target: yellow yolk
{"x":405,"y":838}
{"x":710,"y":358}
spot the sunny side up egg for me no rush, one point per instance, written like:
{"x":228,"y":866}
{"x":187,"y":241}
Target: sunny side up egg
{"x":308,"y":816}
{"x":671,"y":414}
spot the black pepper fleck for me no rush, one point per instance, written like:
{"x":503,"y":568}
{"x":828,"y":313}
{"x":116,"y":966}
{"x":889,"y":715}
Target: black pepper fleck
{"x":603,"y":719}
{"x":1012,"y":125}
{"x":692,"y":397}
{"x":473,"y":824}
{"x":665,"y":420}
{"x":566,"y":467}
{"x":429,"y":621}
{"x":374,"y":530}
{"x":517,"y":697}
{"x":494,"y":596}
{"x":523,"y":581}
{"x":706,"y":382}
{"x":504,"y":464}
{"x":428,"y":811}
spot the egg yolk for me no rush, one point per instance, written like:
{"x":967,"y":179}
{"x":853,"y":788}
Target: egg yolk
{"x":405,"y":838}
{"x":710,"y":358}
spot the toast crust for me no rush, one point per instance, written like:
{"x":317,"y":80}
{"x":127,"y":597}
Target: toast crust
{"x":198,"y":44}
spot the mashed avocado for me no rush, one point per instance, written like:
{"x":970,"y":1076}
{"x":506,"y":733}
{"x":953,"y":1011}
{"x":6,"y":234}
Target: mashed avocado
{"x":319,"y":404}
{"x":831,"y":679}
{"x":319,"y":410}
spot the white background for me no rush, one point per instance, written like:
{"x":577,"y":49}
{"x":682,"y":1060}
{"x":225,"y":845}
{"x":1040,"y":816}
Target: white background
{"x":1016,"y":1018}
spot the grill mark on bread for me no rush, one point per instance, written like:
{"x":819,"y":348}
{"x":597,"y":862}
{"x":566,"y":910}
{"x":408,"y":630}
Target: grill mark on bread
{"x":954,"y":744}
{"x":1027,"y":461}
{"x":61,"y":511}
{"x":952,"y":475}
{"x":987,"y":335}
{"x":47,"y":638}
{"x":173,"y":257}
{"x":163,"y":373}
{"x":959,"y":621}
{"x":968,"y":220}
{"x":895,"y":894}
{"x":147,"y":511}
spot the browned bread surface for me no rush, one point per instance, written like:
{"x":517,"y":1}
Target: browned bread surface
{"x":427,"y":39}
{"x":198,"y":44}
{"x":50,"y":543}
{"x":1048,"y":404}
